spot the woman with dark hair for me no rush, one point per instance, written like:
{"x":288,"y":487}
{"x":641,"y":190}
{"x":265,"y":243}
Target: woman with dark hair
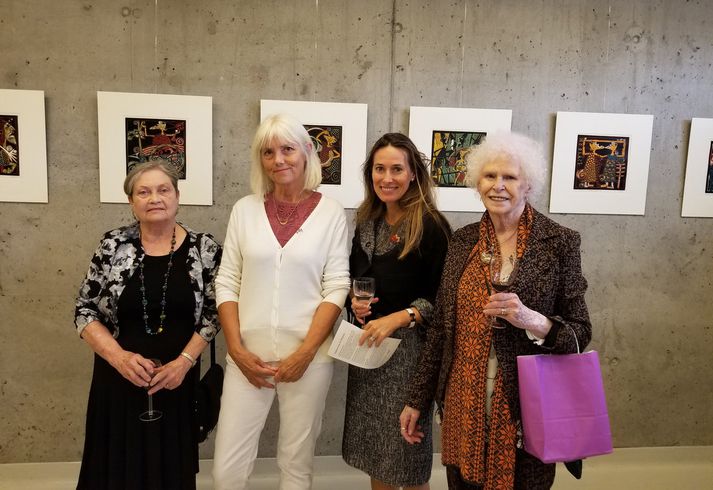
{"x":147,"y":310}
{"x":400,"y":241}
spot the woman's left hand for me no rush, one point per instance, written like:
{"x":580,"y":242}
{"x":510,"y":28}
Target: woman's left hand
{"x":375,"y":331}
{"x":292,"y":368}
{"x":509,"y":307}
{"x":171,"y":375}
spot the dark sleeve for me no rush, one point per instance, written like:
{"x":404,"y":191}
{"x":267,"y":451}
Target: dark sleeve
{"x":434,"y":247}
{"x":437,"y":248}
{"x":424,"y":381}
{"x":571,"y":316}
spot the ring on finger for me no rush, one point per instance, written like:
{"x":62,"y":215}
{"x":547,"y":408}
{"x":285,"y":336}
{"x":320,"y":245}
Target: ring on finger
{"x":503,"y":311}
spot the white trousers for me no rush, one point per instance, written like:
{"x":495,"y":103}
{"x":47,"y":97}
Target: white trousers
{"x":243,"y":411}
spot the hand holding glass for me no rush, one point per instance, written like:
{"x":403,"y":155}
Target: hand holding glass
{"x":150,"y":415}
{"x":364,"y":289}
{"x":500,"y":282}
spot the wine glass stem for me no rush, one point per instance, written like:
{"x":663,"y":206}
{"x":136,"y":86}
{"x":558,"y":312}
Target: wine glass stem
{"x":150,"y":405}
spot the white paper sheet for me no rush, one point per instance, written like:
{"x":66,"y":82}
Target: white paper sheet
{"x":345,"y":347}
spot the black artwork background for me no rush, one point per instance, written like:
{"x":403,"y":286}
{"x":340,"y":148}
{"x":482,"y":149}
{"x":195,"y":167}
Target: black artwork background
{"x":601,"y":162}
{"x":149,"y":139}
{"x":9,"y":145}
{"x":709,"y":174}
{"x":449,"y":149}
{"x":327,"y":142}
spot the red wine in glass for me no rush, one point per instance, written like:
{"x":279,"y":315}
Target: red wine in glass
{"x":500,"y":282}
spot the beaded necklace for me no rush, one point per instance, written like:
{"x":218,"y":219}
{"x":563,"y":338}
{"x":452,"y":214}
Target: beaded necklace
{"x":144,"y":301}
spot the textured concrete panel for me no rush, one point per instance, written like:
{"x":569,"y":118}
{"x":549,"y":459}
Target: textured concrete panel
{"x":650,"y":276}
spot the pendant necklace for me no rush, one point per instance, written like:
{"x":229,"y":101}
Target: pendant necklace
{"x":283,"y":222}
{"x":144,"y":301}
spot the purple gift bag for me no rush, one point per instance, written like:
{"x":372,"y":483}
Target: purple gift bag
{"x":564,"y":413}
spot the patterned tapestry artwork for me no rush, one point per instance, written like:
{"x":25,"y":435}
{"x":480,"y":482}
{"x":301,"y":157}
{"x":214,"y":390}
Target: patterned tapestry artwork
{"x":449,"y":149}
{"x":9,"y":146}
{"x":709,"y":174}
{"x":149,"y":139}
{"x":601,"y":163}
{"x":327,"y":142}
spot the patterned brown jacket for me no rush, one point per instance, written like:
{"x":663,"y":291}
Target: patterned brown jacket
{"x":549,"y":280}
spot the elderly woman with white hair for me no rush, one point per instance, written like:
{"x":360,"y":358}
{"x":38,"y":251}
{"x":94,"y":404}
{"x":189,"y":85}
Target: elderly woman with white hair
{"x":280,"y":288}
{"x":468,"y":364}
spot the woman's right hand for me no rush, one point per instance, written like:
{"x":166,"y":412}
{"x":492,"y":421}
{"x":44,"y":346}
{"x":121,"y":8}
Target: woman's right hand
{"x":253,"y":368}
{"x":410,"y":430}
{"x":362,"y":309}
{"x":134,"y":367}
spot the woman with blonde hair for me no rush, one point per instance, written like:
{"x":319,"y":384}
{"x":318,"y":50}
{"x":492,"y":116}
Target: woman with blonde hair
{"x":280,"y":288}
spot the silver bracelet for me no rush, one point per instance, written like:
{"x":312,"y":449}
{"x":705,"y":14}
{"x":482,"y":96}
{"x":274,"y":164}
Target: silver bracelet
{"x":189,"y":357}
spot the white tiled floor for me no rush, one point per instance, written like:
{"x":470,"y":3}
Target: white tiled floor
{"x":667,"y":468}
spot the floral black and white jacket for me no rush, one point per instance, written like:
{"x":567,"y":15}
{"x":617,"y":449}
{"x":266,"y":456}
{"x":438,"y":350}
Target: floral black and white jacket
{"x":115,"y":261}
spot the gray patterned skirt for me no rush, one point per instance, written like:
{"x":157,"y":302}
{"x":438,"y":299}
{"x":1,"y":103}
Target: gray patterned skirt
{"x":372,"y":439}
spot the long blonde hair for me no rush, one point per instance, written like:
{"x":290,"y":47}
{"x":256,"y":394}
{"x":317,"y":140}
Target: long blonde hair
{"x":418,"y":201}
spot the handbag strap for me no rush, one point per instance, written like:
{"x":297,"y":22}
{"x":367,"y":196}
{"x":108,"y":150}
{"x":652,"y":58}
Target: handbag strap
{"x":212,"y":351}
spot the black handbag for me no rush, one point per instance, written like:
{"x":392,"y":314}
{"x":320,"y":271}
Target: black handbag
{"x":210,"y":387}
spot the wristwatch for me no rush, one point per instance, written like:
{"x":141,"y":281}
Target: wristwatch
{"x":412,"y":314}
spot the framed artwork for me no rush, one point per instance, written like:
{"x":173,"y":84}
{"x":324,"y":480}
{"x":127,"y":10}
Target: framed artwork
{"x":136,"y":128}
{"x":338,"y":132}
{"x":600,"y":163}
{"x":698,"y":187}
{"x":445,"y":136}
{"x":23,"y":146}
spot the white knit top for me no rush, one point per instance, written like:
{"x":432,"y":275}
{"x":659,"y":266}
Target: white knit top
{"x":279,"y":288}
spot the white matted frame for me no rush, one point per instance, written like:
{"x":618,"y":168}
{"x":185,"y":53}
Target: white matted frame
{"x":352,"y":118}
{"x":564,"y":198}
{"x":699,"y":171}
{"x":423,"y":121}
{"x":113,"y":109}
{"x":30,"y":151}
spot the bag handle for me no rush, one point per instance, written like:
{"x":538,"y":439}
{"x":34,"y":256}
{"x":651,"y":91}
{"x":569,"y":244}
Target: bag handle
{"x":575,"y":337}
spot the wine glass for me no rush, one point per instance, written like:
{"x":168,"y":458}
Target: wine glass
{"x":501,"y":278}
{"x":364,"y":289}
{"x":151,"y":415}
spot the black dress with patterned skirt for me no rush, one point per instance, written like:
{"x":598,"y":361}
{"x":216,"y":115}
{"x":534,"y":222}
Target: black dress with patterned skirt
{"x":372,"y":440}
{"x":120,"y":451}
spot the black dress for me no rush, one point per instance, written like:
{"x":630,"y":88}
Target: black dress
{"x":120,"y":451}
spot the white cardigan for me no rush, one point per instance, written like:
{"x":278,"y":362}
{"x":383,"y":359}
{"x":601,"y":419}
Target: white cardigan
{"x":279,"y":288}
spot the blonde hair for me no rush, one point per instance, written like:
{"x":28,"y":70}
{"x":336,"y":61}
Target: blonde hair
{"x":418,"y":200}
{"x":513,"y":147}
{"x":283,"y":128}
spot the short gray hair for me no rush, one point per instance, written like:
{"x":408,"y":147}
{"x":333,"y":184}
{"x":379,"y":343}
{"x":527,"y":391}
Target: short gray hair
{"x":514,"y":147}
{"x":154,"y":164}
{"x":285,"y":128}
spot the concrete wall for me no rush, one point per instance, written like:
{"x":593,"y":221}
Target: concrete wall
{"x":650,"y":276}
